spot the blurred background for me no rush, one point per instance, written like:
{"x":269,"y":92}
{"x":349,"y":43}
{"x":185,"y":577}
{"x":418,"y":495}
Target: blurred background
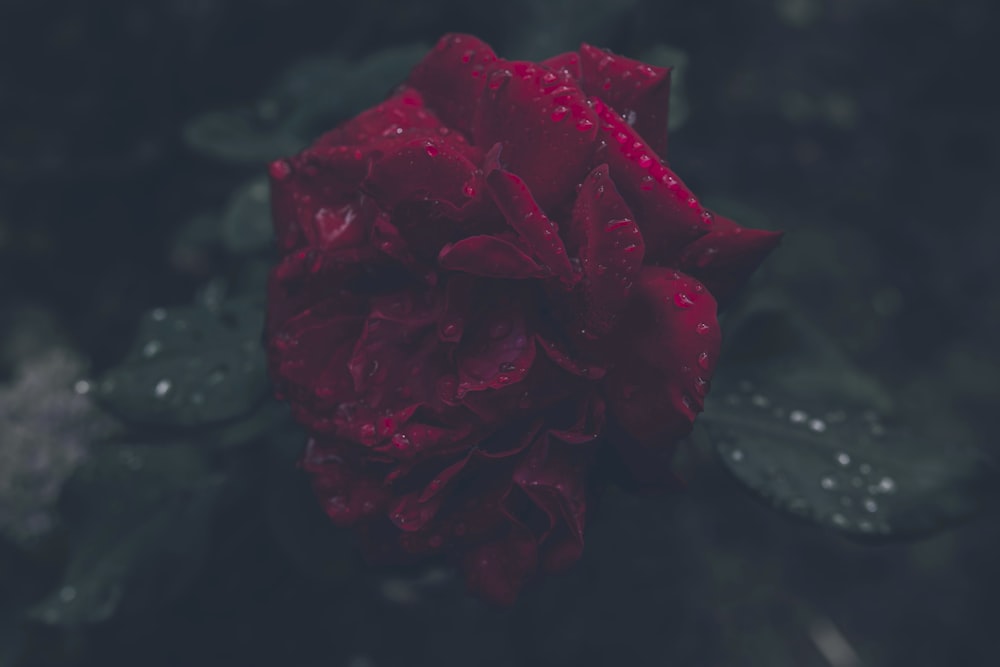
{"x":865,"y":128}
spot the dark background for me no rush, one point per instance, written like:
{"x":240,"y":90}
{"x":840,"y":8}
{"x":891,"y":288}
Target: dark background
{"x":866,"y":128}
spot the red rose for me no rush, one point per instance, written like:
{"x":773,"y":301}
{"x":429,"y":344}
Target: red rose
{"x":486,"y":278}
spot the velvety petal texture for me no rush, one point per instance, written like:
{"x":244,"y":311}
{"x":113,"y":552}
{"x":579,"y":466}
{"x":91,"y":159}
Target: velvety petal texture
{"x":487,"y":280}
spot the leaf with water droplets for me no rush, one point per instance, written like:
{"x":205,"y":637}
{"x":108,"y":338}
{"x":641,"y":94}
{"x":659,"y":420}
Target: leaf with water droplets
{"x":138,"y":519}
{"x":190,"y":366}
{"x":811,"y":449}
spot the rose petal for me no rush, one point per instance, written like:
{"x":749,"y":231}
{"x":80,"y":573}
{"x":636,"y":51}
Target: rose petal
{"x":425,"y":169}
{"x":668,"y":214}
{"x":491,"y":257}
{"x":452,"y":77}
{"x":402,"y":114}
{"x":314,"y":198}
{"x":525,"y":216}
{"x":545,"y":124}
{"x":495,"y":352}
{"x":568,"y":62}
{"x":724,"y":258}
{"x":346,"y":489}
{"x":637,"y":91}
{"x":666,"y":354}
{"x":308,"y":358}
{"x":611,"y":250}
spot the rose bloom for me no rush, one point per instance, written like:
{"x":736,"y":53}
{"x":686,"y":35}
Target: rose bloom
{"x":489,"y":281}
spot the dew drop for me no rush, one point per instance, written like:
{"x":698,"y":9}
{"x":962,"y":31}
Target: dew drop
{"x":159,"y":314}
{"x":682,"y":300}
{"x":828,"y":483}
{"x":870,"y":505}
{"x":647,"y":183}
{"x":584,"y":124}
{"x":843,"y":458}
{"x":887,"y":485}
{"x":839,"y":520}
{"x":865,"y":469}
{"x":67,"y":593}
{"x":797,"y":417}
{"x":702,"y":328}
{"x":736,"y":455}
{"x":558,"y":113}
{"x":817,"y":425}
{"x":760,"y":400}
{"x":431,"y":150}
{"x":704,"y":361}
{"x":151,"y":348}
{"x":162,"y":388}
{"x":82,"y":387}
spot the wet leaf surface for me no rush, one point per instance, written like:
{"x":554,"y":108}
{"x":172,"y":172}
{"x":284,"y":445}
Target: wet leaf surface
{"x":190,"y":366}
{"x":793,"y":420}
{"x":138,"y":523}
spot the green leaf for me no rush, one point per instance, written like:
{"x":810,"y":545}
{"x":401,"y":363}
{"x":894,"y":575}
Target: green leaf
{"x":139,"y":520}
{"x":246,"y":223}
{"x":191,"y":366}
{"x":804,"y":429}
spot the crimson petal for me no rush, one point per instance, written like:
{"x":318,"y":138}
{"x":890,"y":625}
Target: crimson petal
{"x":496,"y":353}
{"x":667,"y":351}
{"x":611,"y":250}
{"x":568,"y":62}
{"x":314,"y":198}
{"x":490,"y":256}
{"x":724,"y":258}
{"x":348,"y":491}
{"x":425,"y":169}
{"x":545,"y":124}
{"x":637,"y":91}
{"x":669,"y":215}
{"x":525,"y":216}
{"x":452,"y":76}
{"x":401,"y":114}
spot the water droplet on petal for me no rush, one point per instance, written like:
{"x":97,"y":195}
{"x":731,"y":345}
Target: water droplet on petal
{"x":682,"y":300}
{"x":431,"y":150}
{"x":647,"y":183}
{"x":558,"y":113}
{"x":703,"y":360}
{"x":280,"y":170}
{"x":584,"y":124}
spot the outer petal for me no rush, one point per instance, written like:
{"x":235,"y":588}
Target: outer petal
{"x":637,"y":91}
{"x":611,"y":251}
{"x":314,"y":198}
{"x":724,"y":258}
{"x":545,"y":124}
{"x":667,"y":348}
{"x":669,"y":215}
{"x":452,"y":77}
{"x":568,"y":62}
{"x":347,"y":490}
{"x":525,"y":216}
{"x":402,"y":114}
{"x":425,"y":169}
